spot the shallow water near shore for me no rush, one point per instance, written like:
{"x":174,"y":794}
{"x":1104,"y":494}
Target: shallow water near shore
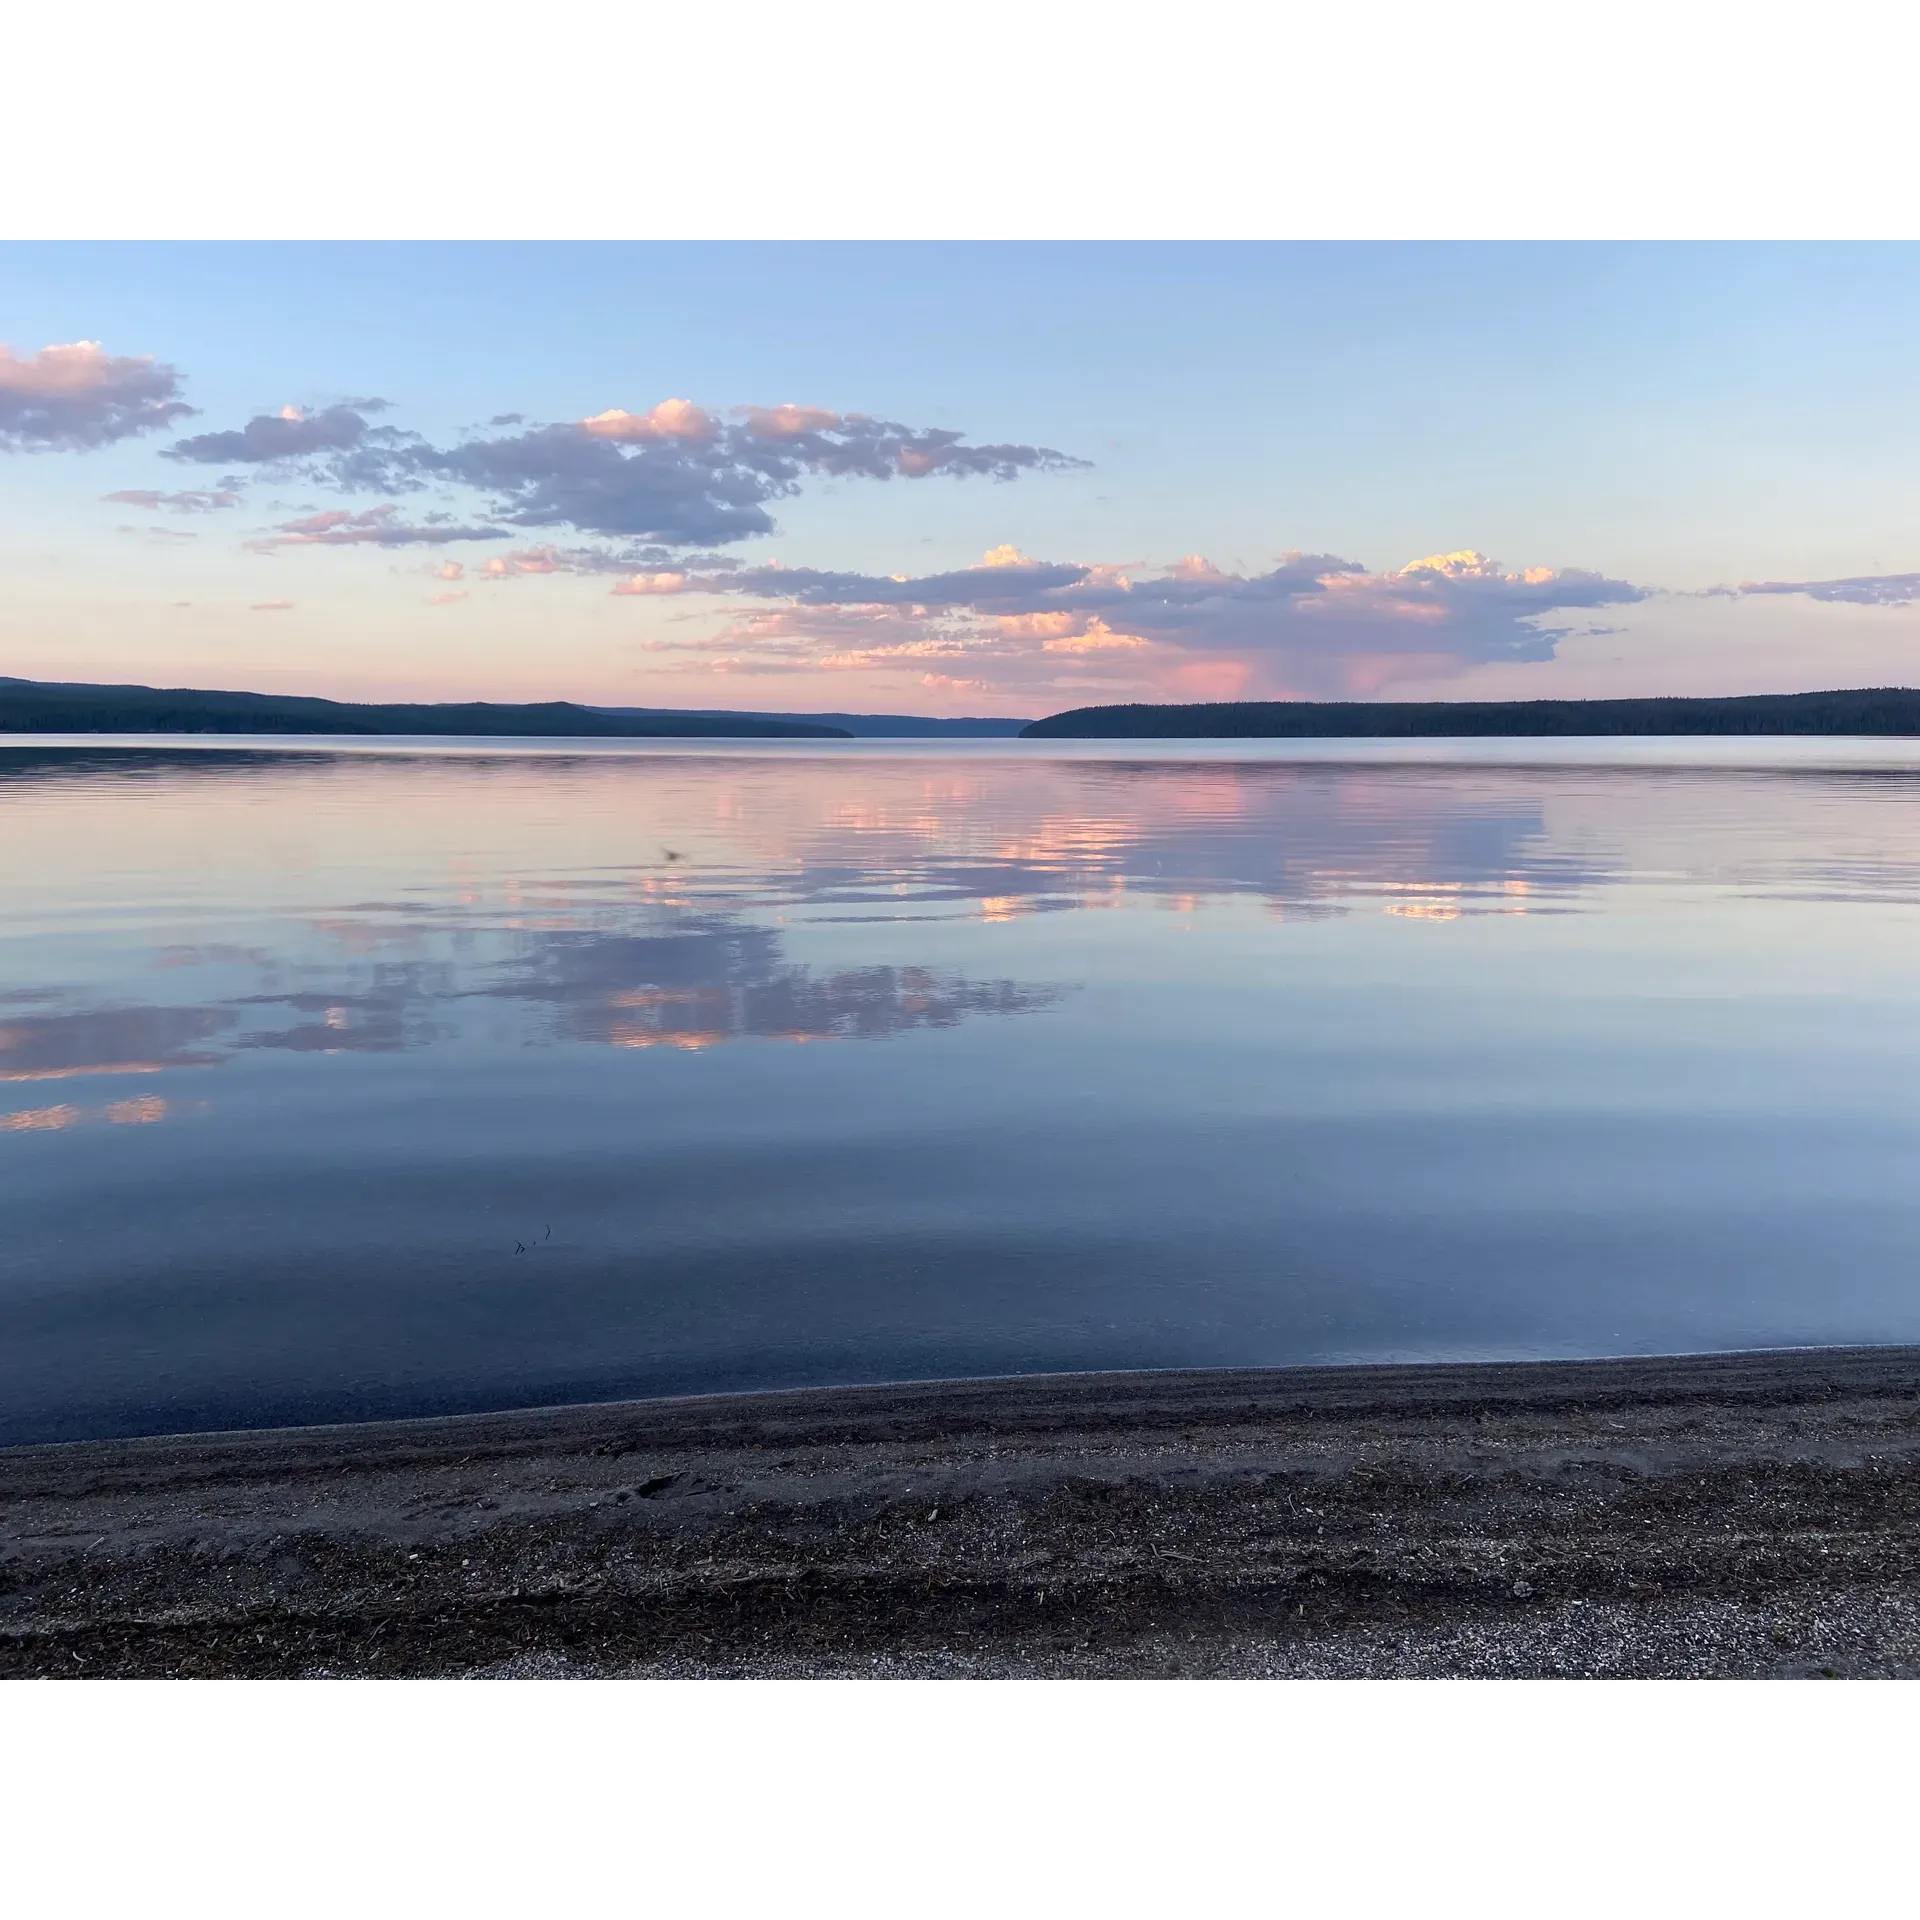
{"x":342,"y":1081}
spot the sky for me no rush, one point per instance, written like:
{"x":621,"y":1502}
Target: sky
{"x":961,"y":478}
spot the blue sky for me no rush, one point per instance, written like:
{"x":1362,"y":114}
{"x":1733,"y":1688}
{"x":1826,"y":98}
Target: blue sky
{"x":1606,"y":434}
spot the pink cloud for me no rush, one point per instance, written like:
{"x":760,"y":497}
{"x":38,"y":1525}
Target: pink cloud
{"x":377,"y":527}
{"x":677,"y":474}
{"x":788,"y":422}
{"x":79,"y":396}
{"x":447,"y":599}
{"x":1041,"y":659}
{"x":190,"y":502}
{"x":505,"y":566}
{"x":270,"y":606}
{"x":670,"y":420}
{"x":1095,"y":637}
{"x":1312,"y":624}
{"x":1041,"y":626}
{"x":652,"y":583}
{"x":729,"y":665}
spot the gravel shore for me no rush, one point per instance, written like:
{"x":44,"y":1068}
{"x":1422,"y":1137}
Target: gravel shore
{"x":1740,"y":1514}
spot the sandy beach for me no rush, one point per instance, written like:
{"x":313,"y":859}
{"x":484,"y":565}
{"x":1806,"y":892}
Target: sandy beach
{"x":1745,"y":1514}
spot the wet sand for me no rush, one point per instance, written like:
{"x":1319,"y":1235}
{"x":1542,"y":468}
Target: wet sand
{"x":1743,"y":1514}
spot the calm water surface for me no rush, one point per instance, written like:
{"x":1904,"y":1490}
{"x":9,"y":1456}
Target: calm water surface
{"x":343,"y":1082}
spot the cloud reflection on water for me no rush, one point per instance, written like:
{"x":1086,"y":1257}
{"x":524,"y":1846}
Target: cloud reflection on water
{"x":719,"y":982}
{"x":57,"y":1119}
{"x":104,"y":1040}
{"x":1297,"y":1076}
{"x":544,"y":887}
{"x":691,"y":989}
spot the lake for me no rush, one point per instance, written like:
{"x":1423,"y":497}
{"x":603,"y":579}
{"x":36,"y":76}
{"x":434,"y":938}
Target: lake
{"x":340,"y":1081}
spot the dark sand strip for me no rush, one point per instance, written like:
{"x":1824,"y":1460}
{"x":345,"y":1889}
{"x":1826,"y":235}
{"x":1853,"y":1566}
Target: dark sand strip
{"x":1742,"y":1514}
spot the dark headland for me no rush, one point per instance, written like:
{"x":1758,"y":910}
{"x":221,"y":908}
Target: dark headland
{"x":1869,"y":710}
{"x":30,"y":706}
{"x":1737,"y":1514}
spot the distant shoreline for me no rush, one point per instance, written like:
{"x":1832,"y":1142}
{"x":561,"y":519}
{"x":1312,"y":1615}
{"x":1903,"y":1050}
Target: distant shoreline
{"x":29,"y":708}
{"x":1884,"y":711}
{"x":36,"y":708}
{"x":45,"y":706}
{"x":1741,"y":1513}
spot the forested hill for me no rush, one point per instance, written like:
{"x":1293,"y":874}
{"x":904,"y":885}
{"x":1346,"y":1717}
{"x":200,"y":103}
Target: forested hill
{"x":1870,"y":710}
{"x":30,"y":706}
